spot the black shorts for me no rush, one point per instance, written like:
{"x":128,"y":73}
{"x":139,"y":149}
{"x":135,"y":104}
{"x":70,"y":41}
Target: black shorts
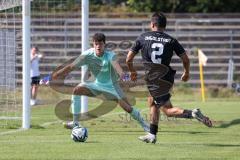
{"x":160,"y":86}
{"x":35,"y":80}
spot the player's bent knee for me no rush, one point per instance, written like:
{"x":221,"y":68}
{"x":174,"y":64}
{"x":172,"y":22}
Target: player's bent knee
{"x":79,"y":90}
{"x":75,"y":90}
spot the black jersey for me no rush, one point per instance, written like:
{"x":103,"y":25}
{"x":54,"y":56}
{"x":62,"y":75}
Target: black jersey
{"x":157,"y":47}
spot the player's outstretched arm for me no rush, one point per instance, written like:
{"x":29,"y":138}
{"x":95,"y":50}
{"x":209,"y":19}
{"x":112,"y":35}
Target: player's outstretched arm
{"x":129,"y":62}
{"x":63,"y":72}
{"x":117,"y":67}
{"x":186,"y":65}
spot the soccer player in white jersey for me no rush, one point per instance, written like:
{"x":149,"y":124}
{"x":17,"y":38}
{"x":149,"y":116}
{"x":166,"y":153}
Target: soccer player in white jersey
{"x":106,"y":70}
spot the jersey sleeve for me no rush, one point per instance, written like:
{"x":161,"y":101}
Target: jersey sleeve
{"x":81,"y":60}
{"x":137,"y":45}
{"x":178,"y":48}
{"x":113,"y":56}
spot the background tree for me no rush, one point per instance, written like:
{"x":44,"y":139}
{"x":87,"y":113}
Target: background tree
{"x":168,"y":6}
{"x":192,"y":6}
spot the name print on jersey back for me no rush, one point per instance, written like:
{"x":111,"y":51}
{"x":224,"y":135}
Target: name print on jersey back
{"x":157,"y":47}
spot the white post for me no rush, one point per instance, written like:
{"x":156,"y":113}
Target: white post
{"x":85,"y":45}
{"x":26,"y":63}
{"x":230,"y":62}
{"x":230,"y":73}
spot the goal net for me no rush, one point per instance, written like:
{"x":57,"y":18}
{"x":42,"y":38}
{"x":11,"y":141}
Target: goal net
{"x":55,"y":30}
{"x":9,"y":106}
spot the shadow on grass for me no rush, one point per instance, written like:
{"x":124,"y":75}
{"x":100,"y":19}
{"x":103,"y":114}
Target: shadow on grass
{"x":232,"y":123}
{"x":137,"y":132}
{"x":37,"y":127}
{"x":223,"y":145}
{"x":198,"y":144}
{"x":92,"y":142}
{"x":189,"y":132}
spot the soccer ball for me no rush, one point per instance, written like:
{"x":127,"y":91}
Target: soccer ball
{"x":79,"y":134}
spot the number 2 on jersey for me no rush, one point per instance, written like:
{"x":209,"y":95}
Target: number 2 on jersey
{"x":157,"y":52}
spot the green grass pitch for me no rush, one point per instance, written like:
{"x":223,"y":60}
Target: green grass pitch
{"x":114,"y":136}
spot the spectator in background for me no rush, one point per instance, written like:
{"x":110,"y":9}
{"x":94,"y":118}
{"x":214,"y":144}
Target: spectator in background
{"x":35,"y":74}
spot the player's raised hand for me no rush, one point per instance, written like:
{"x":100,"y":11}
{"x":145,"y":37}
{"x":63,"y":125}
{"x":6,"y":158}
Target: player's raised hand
{"x":54,"y":76}
{"x":185,"y":76}
{"x":133,"y":76}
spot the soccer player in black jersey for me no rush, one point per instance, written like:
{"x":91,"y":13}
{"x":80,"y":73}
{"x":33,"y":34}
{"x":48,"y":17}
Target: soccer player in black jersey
{"x":157,"y":49}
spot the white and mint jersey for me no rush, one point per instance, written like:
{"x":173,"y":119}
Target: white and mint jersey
{"x":101,"y":67}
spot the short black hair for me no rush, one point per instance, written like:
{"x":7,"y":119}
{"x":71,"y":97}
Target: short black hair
{"x":98,"y":37}
{"x":159,"y":19}
{"x":36,"y":48}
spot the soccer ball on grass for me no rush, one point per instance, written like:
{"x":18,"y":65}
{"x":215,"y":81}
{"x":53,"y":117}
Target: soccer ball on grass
{"x":79,"y":134}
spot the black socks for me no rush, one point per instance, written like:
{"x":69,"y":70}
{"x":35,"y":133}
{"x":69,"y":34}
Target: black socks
{"x":153,"y":129}
{"x":186,"y":114}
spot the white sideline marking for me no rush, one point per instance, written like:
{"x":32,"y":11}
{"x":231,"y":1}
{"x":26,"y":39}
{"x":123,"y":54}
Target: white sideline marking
{"x":11,"y":132}
{"x":50,"y":123}
{"x":21,"y":129}
{"x":8,"y":118}
{"x":56,"y":122}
